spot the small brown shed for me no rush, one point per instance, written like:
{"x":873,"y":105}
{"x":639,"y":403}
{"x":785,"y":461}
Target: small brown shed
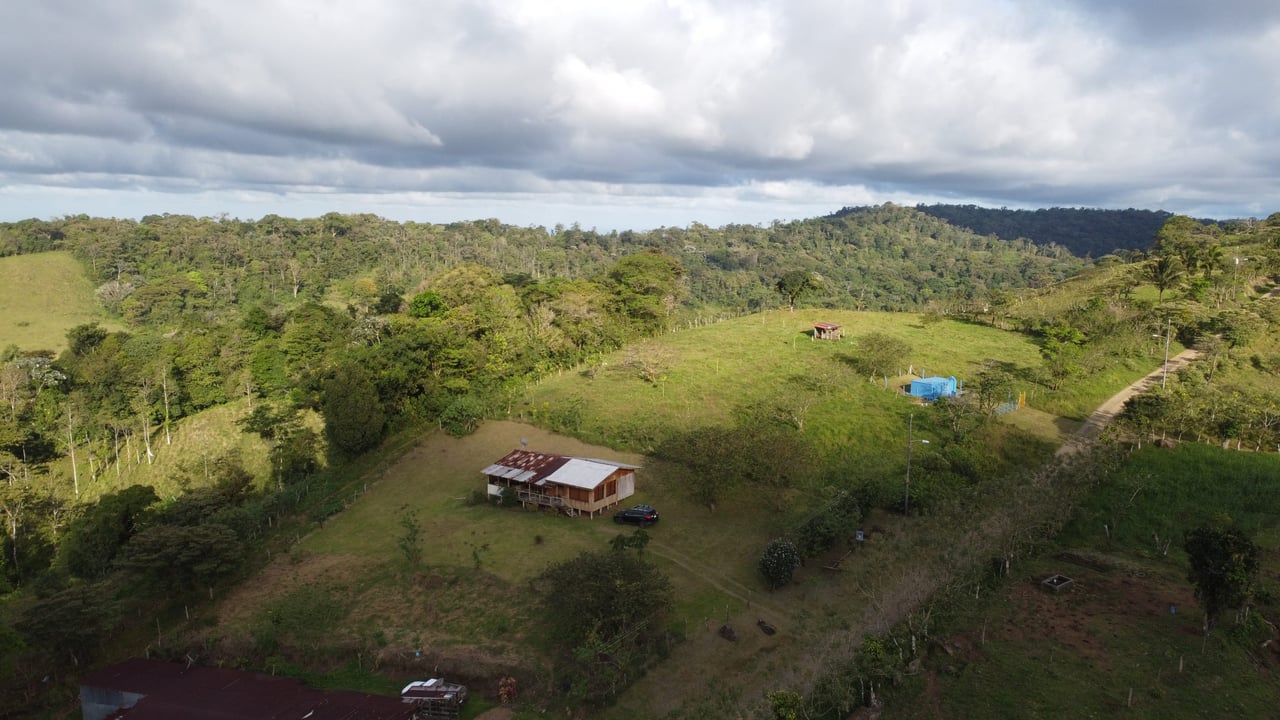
{"x":827,"y":331}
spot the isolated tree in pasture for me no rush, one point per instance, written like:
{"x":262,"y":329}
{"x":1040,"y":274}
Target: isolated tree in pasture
{"x":410,"y":540}
{"x":991,"y":386}
{"x":877,"y":353}
{"x":778,"y":563}
{"x":1223,"y":569}
{"x":605,"y":613}
{"x":291,"y":447}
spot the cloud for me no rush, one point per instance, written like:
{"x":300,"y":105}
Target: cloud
{"x":1167,"y":104}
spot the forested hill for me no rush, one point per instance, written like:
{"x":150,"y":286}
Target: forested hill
{"x":876,"y":258}
{"x":1087,"y":232}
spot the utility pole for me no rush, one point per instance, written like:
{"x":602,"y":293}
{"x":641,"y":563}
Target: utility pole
{"x":906,"y":495}
{"x":1168,"y":331}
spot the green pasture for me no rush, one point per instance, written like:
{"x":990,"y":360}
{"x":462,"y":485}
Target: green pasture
{"x":436,"y":479}
{"x":472,"y":589}
{"x":1109,"y":646}
{"x":766,"y":360}
{"x":1164,"y":492}
{"x":44,"y":296}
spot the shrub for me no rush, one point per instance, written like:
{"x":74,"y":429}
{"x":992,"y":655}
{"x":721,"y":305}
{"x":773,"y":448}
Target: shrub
{"x":779,"y":562}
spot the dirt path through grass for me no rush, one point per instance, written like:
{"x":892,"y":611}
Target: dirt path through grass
{"x":708,"y":676}
{"x":1102,"y":417}
{"x":719,"y":581}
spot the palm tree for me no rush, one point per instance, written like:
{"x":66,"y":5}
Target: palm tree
{"x":1164,"y":271}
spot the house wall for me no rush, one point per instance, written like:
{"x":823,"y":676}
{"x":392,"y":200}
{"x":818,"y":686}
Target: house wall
{"x":626,"y":484}
{"x":623,"y":483}
{"x":618,"y":486}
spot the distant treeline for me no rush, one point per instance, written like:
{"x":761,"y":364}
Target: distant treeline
{"x":877,"y":258}
{"x":1087,"y":232}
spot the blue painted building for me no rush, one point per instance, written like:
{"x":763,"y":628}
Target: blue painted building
{"x":932,"y":388}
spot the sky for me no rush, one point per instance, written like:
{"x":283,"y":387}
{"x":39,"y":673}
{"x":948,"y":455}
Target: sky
{"x":635,"y":114}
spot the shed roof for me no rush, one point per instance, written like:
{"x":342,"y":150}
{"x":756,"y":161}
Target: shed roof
{"x":175,"y":691}
{"x":826,"y":326}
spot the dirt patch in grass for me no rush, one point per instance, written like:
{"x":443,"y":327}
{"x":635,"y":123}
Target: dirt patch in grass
{"x":1083,"y":617}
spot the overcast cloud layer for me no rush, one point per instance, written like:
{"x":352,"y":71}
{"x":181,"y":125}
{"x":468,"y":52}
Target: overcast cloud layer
{"x":635,"y":114}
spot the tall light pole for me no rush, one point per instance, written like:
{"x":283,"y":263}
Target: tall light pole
{"x":906,"y":495}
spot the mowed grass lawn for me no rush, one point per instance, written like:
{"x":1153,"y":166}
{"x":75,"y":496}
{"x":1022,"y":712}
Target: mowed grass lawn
{"x":44,"y":296}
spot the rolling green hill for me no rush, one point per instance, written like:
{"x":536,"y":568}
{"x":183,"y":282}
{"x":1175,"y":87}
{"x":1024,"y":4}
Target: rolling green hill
{"x":45,"y":296}
{"x":655,"y":348}
{"x":702,"y":376}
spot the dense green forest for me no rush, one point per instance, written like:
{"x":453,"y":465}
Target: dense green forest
{"x":1087,"y":232}
{"x":338,"y":331}
{"x":881,"y":258}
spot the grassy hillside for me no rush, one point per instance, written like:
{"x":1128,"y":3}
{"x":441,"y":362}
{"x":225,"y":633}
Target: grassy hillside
{"x":197,"y":443}
{"x":471,"y":604}
{"x":702,"y":376}
{"x":54,"y":297}
{"x":344,"y":592}
{"x":1109,"y":644}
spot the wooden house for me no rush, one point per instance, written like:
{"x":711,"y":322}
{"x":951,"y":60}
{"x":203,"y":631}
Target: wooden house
{"x":573,"y":485}
{"x":827,"y":331}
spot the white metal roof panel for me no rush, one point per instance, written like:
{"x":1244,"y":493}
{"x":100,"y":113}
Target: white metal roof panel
{"x":510,"y":473}
{"x":614,"y":463}
{"x":580,"y":473}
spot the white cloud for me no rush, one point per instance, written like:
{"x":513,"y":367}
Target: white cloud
{"x":1078,"y":103}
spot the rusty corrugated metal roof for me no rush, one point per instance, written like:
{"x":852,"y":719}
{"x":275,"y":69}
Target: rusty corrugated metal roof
{"x":535,"y":468}
{"x":174,"y":691}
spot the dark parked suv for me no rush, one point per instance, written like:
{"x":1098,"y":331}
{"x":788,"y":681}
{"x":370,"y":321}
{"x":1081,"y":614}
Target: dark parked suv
{"x":642,"y":515}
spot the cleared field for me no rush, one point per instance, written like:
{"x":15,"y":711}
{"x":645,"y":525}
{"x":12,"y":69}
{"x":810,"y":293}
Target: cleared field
{"x":470,"y":604}
{"x":44,"y":296}
{"x":701,"y":376}
{"x":1124,"y":639}
{"x":469,"y":608}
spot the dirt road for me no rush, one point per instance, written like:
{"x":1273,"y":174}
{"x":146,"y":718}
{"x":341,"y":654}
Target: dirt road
{"x":709,"y":676}
{"x":1107,"y":412}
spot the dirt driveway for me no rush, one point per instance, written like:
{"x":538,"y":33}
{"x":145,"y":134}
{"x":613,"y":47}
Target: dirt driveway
{"x":1107,"y":412}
